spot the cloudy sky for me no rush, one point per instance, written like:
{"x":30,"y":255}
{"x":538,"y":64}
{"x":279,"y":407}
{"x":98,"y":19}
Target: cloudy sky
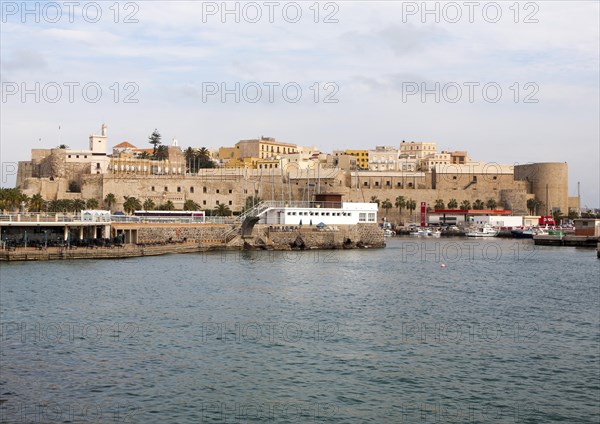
{"x":508,"y":83}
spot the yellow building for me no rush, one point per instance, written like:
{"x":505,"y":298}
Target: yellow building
{"x":362,"y":157}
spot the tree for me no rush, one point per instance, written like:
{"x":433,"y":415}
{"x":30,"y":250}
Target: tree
{"x":154,"y":139}
{"x":411,"y":205}
{"x":222,"y":210}
{"x":110,"y":200}
{"x":92,"y":204}
{"x":148,"y":205}
{"x":11,"y":198}
{"x":78,"y":205}
{"x":439,"y":204}
{"x":386,"y":204}
{"x":251,"y":201}
{"x":400,"y":203}
{"x":167,"y":206}
{"x":190,"y":205}
{"x":478,"y":204}
{"x":452,"y":204}
{"x":161,"y":152}
{"x":374,"y":199}
{"x":62,"y":146}
{"x":36,"y":203}
{"x":144,"y":155}
{"x":533,"y":205}
{"x":557,"y":215}
{"x":131,"y":204}
{"x":491,"y":204}
{"x":465,"y":204}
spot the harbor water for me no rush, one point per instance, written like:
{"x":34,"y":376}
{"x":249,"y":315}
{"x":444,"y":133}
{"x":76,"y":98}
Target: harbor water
{"x":424,"y":331}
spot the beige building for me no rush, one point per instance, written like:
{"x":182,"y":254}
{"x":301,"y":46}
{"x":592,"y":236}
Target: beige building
{"x":384,"y":158}
{"x":419,"y":149}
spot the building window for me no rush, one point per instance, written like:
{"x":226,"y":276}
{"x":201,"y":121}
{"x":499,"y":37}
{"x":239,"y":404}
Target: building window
{"x":230,"y":191}
{"x":399,"y":184}
{"x":166,"y":188}
{"x":178,"y":189}
{"x":69,"y":156}
{"x":203,"y":189}
{"x":388,"y":183}
{"x":410,"y":185}
{"x":376,"y":183}
{"x":77,"y":156}
{"x":204,"y":202}
{"x":230,"y":203}
{"x":218,"y":191}
{"x":366,"y":184}
{"x":217,"y":202}
{"x":191,"y":189}
{"x":362,"y":217}
{"x":495,"y":178}
{"x":454,"y":177}
{"x":371,"y":217}
{"x":152,"y":189}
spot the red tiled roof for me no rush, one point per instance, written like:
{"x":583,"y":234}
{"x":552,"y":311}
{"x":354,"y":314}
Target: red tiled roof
{"x":124,"y":145}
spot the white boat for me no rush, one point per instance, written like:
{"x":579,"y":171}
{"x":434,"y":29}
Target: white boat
{"x":485,"y":231}
{"x":388,"y":233}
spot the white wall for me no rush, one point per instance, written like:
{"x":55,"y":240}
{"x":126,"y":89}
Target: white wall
{"x":348,"y":214}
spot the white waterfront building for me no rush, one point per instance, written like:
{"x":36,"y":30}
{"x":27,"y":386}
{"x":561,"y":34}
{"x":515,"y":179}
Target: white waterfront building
{"x":309,"y":213}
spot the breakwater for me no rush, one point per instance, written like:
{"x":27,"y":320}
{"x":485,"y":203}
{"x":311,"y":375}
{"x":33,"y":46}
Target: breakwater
{"x":160,"y":239}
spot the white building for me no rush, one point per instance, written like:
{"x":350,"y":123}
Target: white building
{"x":348,"y":214}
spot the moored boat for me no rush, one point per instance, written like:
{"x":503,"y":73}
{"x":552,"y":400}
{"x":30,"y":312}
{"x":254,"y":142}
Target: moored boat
{"x":485,"y":231}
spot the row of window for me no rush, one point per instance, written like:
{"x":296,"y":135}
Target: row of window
{"x":388,"y":184}
{"x":320,"y":213}
{"x":289,"y":150}
{"x":366,"y":217}
{"x":204,"y":190}
{"x":77,"y":156}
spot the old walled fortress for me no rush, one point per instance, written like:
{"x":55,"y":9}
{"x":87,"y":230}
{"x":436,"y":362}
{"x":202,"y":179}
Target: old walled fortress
{"x":274,"y":170}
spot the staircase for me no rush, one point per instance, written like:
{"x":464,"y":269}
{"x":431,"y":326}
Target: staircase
{"x":255,"y":211}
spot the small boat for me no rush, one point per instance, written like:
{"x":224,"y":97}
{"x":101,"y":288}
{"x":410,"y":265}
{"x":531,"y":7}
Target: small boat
{"x":389,"y":233}
{"x":485,"y":231}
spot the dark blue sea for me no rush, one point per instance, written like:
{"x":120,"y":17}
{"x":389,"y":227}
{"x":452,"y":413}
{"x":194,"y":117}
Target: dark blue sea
{"x":423,"y":331}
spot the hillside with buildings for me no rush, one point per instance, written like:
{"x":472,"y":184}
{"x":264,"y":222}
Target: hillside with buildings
{"x":394,"y":176}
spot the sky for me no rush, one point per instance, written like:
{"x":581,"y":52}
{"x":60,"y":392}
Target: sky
{"x":509,"y":82}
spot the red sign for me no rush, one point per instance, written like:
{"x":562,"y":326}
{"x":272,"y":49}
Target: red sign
{"x":423,"y":214}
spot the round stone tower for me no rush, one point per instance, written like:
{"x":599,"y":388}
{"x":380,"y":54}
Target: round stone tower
{"x":549,"y":182}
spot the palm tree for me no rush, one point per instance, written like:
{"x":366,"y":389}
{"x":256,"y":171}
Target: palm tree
{"x":400,"y":203}
{"x":131,"y":204}
{"x":465,"y":204}
{"x":78,"y":205}
{"x":222,"y":210}
{"x":109,"y":201}
{"x":478,"y":204}
{"x":36,"y":203}
{"x":533,"y":205}
{"x":252,"y":201}
{"x":439,"y":204}
{"x":12,"y":197}
{"x":161,"y":153}
{"x":54,"y":205}
{"x":167,"y":206}
{"x":452,"y":204}
{"x":411,"y":205}
{"x":557,"y":215}
{"x":491,"y":204}
{"x":148,"y":205}
{"x":374,"y":199}
{"x":190,"y":205}
{"x":92,"y":204}
{"x":386,"y":204}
